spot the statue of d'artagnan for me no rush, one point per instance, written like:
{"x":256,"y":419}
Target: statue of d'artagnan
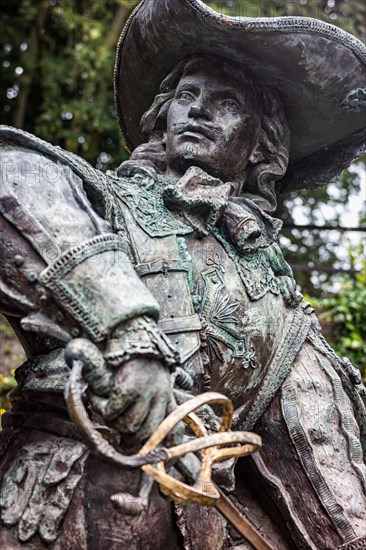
{"x":171,"y":264}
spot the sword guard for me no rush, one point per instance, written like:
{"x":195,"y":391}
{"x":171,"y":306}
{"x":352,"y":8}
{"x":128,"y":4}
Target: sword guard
{"x":213,"y":448}
{"x":151,"y":458}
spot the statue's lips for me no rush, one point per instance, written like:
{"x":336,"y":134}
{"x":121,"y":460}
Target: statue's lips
{"x":195,"y":131}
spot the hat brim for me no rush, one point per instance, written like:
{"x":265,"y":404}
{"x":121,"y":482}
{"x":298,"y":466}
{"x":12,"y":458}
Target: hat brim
{"x":314,"y":66}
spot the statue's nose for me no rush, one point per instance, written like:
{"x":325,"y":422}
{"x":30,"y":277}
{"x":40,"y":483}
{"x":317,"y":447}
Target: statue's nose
{"x":201,"y":109}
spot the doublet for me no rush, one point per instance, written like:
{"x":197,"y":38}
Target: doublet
{"x":212,"y":300}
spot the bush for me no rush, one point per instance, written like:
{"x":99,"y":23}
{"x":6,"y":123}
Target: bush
{"x":343,"y":318}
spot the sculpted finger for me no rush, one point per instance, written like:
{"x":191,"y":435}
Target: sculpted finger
{"x":98,"y":403}
{"x":16,"y":488}
{"x":113,"y":407}
{"x":62,"y":461}
{"x":133,"y":418}
{"x":31,"y":518}
{"x":62,"y":492}
{"x":118,"y":404}
{"x":156,"y":416}
{"x":26,"y":479}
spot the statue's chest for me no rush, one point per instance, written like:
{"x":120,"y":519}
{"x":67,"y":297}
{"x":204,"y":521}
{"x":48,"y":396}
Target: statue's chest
{"x":222,"y":327}
{"x":241,"y":323}
{"x":222,"y":303}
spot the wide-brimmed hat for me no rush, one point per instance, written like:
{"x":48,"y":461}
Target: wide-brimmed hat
{"x":318,"y":69}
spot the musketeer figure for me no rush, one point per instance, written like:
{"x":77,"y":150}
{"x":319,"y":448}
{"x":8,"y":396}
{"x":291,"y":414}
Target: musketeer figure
{"x":170,"y":267}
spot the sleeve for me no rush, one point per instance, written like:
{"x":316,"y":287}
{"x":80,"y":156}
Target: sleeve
{"x":84,"y":266}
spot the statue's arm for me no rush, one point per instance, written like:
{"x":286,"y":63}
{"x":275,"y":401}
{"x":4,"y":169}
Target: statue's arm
{"x":83,"y":268}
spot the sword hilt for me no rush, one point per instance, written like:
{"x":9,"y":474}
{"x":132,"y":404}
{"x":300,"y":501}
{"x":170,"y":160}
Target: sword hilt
{"x":151,"y":458}
{"x":216,"y":447}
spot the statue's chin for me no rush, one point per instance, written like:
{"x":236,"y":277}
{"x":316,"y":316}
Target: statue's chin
{"x":191,"y":157}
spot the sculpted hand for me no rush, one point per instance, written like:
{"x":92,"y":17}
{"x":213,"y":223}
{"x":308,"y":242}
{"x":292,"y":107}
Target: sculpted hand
{"x":138,"y":399}
{"x":132,"y":395}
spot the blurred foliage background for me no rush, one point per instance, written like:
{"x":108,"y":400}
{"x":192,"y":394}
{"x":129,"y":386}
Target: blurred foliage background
{"x":56,"y":60}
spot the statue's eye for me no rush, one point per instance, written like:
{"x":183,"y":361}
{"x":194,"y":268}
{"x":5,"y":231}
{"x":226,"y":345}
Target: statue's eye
{"x":185,"y":96}
{"x":230,"y":105}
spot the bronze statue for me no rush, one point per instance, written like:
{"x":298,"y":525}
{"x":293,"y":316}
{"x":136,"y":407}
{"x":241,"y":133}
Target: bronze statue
{"x":170,"y":267}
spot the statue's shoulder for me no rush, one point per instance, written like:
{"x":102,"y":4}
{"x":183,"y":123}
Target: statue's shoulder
{"x":16,"y":139}
{"x":20,"y":145}
{"x":32,"y":157}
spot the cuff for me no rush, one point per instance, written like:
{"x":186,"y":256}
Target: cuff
{"x":139,"y":338}
{"x":96,"y":283}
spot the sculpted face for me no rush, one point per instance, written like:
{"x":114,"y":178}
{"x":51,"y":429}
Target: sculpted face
{"x":210,"y":124}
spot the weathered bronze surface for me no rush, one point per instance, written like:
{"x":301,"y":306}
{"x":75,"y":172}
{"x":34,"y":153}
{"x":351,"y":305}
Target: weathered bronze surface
{"x":164,"y":280}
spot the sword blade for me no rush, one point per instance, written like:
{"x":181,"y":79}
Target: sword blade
{"x":241,"y":524}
